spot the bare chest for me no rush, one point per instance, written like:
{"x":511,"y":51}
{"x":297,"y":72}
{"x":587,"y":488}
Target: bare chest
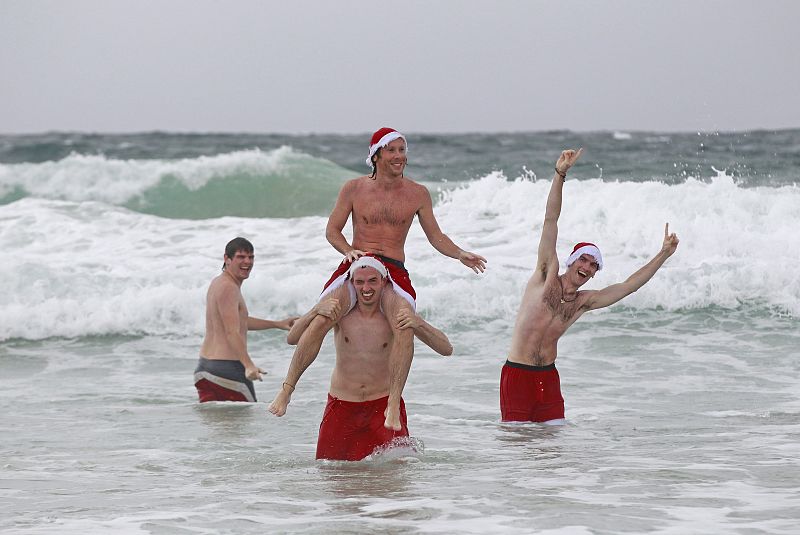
{"x":365,"y":338}
{"x":557,"y":305}
{"x":376,"y":207}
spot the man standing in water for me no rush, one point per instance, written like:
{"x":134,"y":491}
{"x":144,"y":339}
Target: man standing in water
{"x":353,"y":423}
{"x":382,"y":206}
{"x":530,"y":388}
{"x":225,"y":371}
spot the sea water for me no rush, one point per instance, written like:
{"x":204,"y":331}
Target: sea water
{"x":682,"y":401}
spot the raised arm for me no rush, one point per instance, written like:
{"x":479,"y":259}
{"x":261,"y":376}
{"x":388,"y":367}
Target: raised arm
{"x":427,"y":333}
{"x":338,"y":219}
{"x":441,"y":241}
{"x":258,"y":324}
{"x":610,"y":295}
{"x":547,"y":259}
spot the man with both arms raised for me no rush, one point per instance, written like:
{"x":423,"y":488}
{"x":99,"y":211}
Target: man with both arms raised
{"x":530,"y":388}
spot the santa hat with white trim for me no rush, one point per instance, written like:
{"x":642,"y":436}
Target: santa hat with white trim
{"x":381,"y":138}
{"x":367,"y":261}
{"x":586,"y":248}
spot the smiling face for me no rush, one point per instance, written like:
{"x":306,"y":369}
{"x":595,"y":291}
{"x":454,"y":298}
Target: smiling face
{"x":240,"y":266}
{"x":391,"y":160}
{"x":583,"y":269}
{"x":368,"y":284}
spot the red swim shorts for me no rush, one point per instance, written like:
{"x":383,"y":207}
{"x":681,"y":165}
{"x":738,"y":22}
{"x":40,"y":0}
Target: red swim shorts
{"x":530,"y":393}
{"x":398,"y":275}
{"x":351,"y":430}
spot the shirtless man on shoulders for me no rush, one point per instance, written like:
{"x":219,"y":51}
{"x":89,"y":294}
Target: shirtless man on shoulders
{"x":530,"y":388}
{"x":225,"y":371}
{"x":382,"y":206}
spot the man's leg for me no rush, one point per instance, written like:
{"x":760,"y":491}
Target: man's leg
{"x":400,"y":356}
{"x":307,"y":349}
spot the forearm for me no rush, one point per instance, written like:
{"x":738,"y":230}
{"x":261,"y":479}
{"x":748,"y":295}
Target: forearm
{"x":646,"y":272}
{"x":433,"y":338}
{"x":337,"y":240}
{"x":258,"y":324}
{"x":554,"y":199}
{"x":442,"y":243}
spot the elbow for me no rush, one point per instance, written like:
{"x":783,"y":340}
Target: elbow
{"x":331,"y":233}
{"x":292,"y":339}
{"x":447,"y":350}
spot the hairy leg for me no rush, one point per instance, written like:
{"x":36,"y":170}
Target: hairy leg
{"x":400,"y":356}
{"x":307,"y":349}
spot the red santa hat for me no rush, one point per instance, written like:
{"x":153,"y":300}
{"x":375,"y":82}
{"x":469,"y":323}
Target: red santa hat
{"x":381,"y":138}
{"x":586,"y":248}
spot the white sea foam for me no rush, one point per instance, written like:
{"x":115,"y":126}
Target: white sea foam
{"x":90,"y":268}
{"x":81,"y":177}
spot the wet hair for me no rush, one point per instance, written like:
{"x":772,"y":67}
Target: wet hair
{"x":373,"y":160}
{"x":236,"y":245}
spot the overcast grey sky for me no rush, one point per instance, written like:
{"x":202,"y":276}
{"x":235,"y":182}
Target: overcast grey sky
{"x":297,"y":66}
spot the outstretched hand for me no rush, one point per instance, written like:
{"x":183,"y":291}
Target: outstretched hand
{"x":475,"y":262}
{"x":567,"y":160}
{"x":670,"y":241}
{"x":287,"y":323}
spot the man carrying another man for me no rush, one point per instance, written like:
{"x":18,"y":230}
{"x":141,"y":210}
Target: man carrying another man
{"x":382,"y":206}
{"x":353,"y":423}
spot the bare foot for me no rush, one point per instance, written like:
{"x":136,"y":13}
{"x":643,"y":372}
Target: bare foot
{"x":392,"y":418}
{"x":279,"y":404}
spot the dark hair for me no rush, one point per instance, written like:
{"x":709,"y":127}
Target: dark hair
{"x":236,"y":245}
{"x":372,"y":159}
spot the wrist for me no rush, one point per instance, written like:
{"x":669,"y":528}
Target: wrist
{"x":562,"y":174}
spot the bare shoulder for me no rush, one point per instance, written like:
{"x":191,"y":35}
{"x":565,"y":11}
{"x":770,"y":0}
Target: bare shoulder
{"x":417,"y":191}
{"x":223,"y":286}
{"x":353,"y":184}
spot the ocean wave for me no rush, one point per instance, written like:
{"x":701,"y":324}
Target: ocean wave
{"x":247,"y":183}
{"x":87,"y":268}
